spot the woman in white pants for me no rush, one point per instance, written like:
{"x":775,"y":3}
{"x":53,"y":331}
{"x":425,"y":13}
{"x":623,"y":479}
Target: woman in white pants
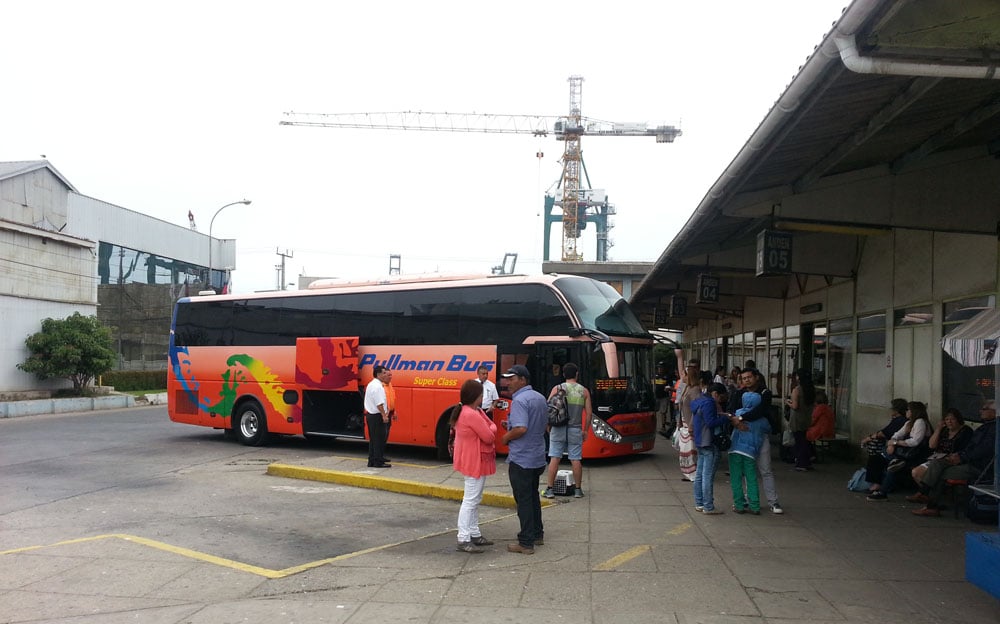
{"x":475,"y":457}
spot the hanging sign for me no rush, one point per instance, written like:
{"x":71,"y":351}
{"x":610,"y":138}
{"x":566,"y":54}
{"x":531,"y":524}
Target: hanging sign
{"x":678,"y":306}
{"x":708,"y":289}
{"x":774,"y":253}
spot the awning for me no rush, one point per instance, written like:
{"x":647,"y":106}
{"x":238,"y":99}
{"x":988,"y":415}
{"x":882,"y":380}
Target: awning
{"x":975,"y":342}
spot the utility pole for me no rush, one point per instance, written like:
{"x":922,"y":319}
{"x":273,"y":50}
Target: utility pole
{"x":280,"y":268}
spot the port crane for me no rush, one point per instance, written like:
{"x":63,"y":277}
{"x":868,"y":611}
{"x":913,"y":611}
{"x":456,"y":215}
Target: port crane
{"x":577,"y":204}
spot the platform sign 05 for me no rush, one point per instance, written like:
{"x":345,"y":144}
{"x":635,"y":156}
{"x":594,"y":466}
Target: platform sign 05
{"x":774,"y":253}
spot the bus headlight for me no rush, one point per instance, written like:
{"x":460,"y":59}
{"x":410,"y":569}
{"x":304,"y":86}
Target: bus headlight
{"x":604,"y":431}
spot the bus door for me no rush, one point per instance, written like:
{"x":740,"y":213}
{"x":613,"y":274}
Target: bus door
{"x":550,"y":358}
{"x":326,"y":369}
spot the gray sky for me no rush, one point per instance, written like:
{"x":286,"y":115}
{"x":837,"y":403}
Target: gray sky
{"x":168,"y":107}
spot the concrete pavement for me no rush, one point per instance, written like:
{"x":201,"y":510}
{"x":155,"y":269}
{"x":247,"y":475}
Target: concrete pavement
{"x":634,"y":549}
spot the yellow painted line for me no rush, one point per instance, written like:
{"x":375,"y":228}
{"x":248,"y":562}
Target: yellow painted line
{"x":680,"y":528}
{"x":200,"y":556}
{"x":635,"y":551}
{"x":229,"y":563}
{"x":388,"y":484}
{"x":64,"y":543}
{"x":624,"y":557}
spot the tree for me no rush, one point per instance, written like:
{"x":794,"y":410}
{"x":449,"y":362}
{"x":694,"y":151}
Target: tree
{"x":77,"y":348}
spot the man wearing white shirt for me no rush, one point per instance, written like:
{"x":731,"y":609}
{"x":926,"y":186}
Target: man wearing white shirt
{"x":377,"y":417}
{"x":490,"y":393}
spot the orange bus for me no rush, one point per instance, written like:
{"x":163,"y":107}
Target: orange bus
{"x":297,"y":362}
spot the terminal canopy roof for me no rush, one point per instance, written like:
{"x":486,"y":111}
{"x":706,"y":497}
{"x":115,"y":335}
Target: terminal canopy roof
{"x":894,"y":87}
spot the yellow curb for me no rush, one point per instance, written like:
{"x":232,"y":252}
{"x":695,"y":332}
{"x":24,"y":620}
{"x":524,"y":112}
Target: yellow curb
{"x":400,"y":486}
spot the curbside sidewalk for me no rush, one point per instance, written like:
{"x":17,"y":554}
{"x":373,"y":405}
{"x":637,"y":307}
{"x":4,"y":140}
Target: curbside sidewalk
{"x":13,"y":409}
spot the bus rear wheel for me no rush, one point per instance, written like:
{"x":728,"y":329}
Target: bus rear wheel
{"x":250,"y":424}
{"x":441,"y":438}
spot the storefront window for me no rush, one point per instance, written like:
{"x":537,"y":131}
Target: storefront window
{"x":871,"y":333}
{"x":819,"y":356}
{"x":919,"y":315}
{"x":966,"y":387}
{"x":839,"y":388}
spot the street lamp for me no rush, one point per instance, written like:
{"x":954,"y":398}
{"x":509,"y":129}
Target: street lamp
{"x":245,"y":202}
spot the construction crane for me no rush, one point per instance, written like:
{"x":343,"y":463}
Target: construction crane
{"x":568,"y":128}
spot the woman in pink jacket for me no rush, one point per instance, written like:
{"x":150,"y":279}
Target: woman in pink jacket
{"x":475,"y":456}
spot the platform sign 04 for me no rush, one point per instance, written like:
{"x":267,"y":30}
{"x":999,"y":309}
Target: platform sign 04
{"x":708,"y":289}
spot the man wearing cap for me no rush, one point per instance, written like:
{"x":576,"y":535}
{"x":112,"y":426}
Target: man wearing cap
{"x":525,"y":440}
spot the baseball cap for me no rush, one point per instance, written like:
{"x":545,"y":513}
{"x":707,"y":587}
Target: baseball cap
{"x":519,"y":370}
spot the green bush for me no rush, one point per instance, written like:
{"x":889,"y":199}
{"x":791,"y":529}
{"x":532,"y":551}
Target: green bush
{"x":127,"y":381}
{"x":77,"y":348}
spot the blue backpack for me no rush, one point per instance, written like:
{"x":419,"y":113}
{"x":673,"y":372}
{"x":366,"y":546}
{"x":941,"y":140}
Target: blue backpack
{"x":858,"y":482}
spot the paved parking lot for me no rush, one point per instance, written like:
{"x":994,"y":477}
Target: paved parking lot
{"x":221,"y":541}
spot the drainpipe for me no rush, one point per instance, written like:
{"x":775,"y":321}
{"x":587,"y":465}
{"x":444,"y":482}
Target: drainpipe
{"x":845,"y":38}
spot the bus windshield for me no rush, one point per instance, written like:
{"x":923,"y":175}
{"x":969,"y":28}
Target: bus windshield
{"x":600,"y":307}
{"x":632,"y":390}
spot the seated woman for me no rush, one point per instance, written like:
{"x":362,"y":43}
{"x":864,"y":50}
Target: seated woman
{"x":951,"y":436}
{"x":822,"y":419}
{"x":906,"y":447}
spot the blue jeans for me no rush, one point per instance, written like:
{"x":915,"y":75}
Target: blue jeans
{"x":704,"y":477}
{"x":524,"y":487}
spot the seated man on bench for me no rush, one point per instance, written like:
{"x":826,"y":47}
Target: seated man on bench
{"x":965,"y":465}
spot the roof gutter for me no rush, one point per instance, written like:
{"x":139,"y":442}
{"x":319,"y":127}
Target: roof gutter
{"x":845,"y":38}
{"x":840,"y":44}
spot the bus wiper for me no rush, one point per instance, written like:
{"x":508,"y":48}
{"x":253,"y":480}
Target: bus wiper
{"x":596,"y":335}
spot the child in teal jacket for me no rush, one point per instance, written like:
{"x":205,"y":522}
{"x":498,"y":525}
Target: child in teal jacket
{"x":748,"y":438}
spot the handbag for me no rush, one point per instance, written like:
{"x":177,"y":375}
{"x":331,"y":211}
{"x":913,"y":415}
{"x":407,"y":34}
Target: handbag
{"x":721,"y":440}
{"x":874,"y":447}
{"x":905,"y":452}
{"x":787,"y":438}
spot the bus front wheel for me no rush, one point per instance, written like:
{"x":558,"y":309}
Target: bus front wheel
{"x":250,"y":424}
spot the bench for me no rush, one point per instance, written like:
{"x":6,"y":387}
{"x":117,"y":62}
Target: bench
{"x":823,"y":446}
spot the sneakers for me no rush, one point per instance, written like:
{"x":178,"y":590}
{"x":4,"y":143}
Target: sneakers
{"x":739,"y":510}
{"x":539,"y":542}
{"x":548,"y":493}
{"x":468,"y":547}
{"x":712,"y":512}
{"x":754,"y":512}
{"x":578,"y":493}
{"x":896,"y":465}
{"x":878,"y":496}
{"x":776,"y":509}
{"x":481,"y":541}
{"x":517,"y":548}
{"x":919,"y":497}
{"x":699,"y":508}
